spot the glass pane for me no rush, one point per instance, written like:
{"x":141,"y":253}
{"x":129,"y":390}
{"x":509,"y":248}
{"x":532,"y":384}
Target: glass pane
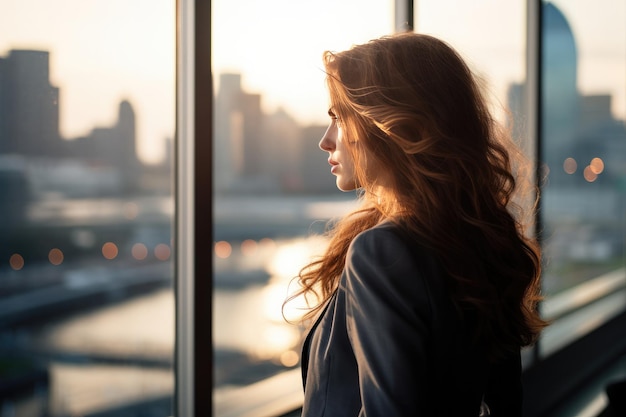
{"x":86,"y":125}
{"x":273,"y":189}
{"x":495,"y":48}
{"x":584,"y":140}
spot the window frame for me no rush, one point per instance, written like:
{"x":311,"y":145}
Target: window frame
{"x":549,"y":378}
{"x":193,"y":214}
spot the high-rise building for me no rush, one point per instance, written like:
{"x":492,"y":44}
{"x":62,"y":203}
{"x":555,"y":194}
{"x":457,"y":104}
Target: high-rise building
{"x":228,"y":135}
{"x":29,"y":105}
{"x":239,"y":147}
{"x":559,"y":92}
{"x":249,"y":105}
{"x":113,"y":146}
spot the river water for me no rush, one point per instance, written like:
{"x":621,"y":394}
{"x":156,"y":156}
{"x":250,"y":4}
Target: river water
{"x":122,"y":352}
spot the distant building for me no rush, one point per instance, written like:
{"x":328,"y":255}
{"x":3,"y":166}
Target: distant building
{"x":106,"y":159}
{"x":315,"y":170}
{"x":113,"y":146}
{"x":282,"y":140}
{"x":559,"y":81}
{"x":249,"y":106}
{"x":240,"y":146}
{"x":595,"y":110}
{"x":29,"y":105}
{"x":227,"y":160}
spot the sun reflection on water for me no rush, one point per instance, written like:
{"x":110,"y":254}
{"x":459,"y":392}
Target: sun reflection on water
{"x":284,"y":267}
{"x":255,"y":319}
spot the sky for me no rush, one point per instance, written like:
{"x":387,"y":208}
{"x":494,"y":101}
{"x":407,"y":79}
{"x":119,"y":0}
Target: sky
{"x":102,"y":52}
{"x":105,"y":51}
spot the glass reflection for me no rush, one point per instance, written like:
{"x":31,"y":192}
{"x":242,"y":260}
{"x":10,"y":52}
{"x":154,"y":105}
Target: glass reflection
{"x":584,"y":141}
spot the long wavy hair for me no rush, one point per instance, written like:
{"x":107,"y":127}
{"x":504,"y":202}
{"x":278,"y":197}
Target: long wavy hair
{"x":410,"y":104}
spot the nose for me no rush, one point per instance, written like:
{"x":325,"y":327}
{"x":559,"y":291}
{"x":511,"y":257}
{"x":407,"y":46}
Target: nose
{"x":328,"y":140}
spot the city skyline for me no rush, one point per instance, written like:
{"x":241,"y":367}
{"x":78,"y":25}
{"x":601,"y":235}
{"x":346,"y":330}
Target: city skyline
{"x":103,"y":162}
{"x":101,"y":53}
{"x":98,"y":67}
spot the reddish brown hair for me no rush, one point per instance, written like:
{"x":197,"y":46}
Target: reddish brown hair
{"x":411,"y":103}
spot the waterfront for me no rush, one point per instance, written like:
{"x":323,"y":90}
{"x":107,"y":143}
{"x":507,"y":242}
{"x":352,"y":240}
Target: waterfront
{"x":110,"y":342}
{"x":112,"y":345}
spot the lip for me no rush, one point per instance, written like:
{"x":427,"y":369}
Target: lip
{"x":333,"y":164}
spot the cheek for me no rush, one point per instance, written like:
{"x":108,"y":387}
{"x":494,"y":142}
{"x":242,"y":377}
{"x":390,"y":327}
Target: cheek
{"x":346,"y":150}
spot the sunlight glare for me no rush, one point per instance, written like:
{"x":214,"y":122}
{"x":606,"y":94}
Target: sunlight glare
{"x":291,"y":256}
{"x":276,"y":339}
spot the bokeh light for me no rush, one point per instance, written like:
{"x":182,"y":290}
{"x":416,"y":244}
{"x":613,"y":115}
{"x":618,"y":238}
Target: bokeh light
{"x":267,"y":243}
{"x":289,"y":358}
{"x":16,"y":261}
{"x":139,"y":251}
{"x":109,"y":250}
{"x":249,"y":247}
{"x":223,"y":249}
{"x":55,"y":256}
{"x":589,"y":175}
{"x":570,"y":166}
{"x":596,"y":166}
{"x":162,"y":252}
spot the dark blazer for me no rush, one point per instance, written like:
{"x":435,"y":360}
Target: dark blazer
{"x":390,"y":342}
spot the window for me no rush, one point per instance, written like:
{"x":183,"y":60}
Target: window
{"x":86,"y":130}
{"x":584,"y":146}
{"x":273,"y":189}
{"x":583,"y":169}
{"x":581,"y":227}
{"x":500,"y":61}
{"x":87,"y":323}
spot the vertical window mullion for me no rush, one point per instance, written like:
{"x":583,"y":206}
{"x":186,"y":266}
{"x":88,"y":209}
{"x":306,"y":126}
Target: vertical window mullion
{"x":184,"y":390}
{"x":534,"y":105}
{"x":203,"y":215}
{"x":193,"y":210}
{"x":404,"y":12}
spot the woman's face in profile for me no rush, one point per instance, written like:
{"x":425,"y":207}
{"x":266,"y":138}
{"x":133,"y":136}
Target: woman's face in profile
{"x":339,"y":157}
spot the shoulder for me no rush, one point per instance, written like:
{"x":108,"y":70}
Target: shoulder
{"x":386,"y":243}
{"x":387,"y":255}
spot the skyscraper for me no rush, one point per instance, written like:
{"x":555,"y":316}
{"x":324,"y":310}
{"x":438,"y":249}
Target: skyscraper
{"x":560,"y":92}
{"x":29,"y":105}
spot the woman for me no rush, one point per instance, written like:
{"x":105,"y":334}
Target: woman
{"x":429,"y":289}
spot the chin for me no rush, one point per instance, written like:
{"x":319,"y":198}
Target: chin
{"x":346,"y":186}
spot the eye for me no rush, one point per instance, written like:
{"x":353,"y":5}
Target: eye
{"x":333,"y":116}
